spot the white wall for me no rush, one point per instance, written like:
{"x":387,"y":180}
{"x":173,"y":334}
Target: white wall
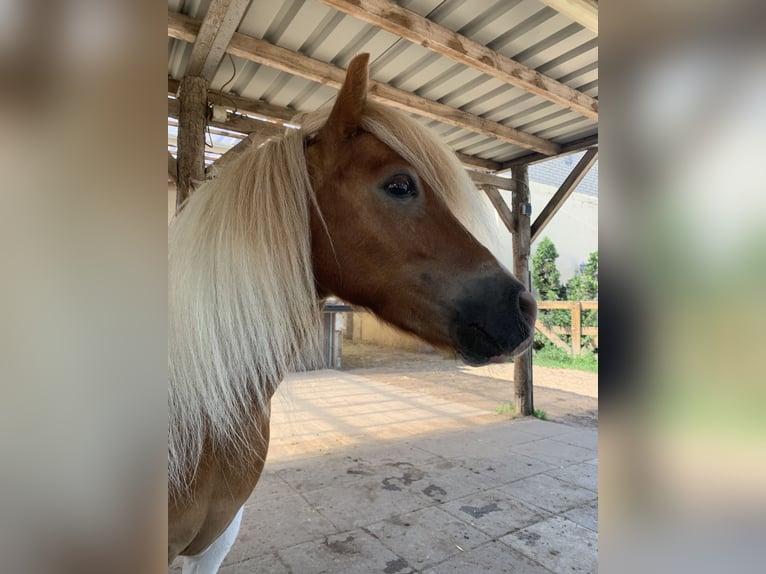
{"x":574,"y":228}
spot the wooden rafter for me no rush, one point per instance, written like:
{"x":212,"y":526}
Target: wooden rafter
{"x":258,"y":108}
{"x":184,"y":28}
{"x":566,"y":149}
{"x":500,"y":206}
{"x":235,"y":123}
{"x":563,"y":192}
{"x":584,"y":12}
{"x":393,"y":18}
{"x":218,"y":26}
{"x":494,"y":180}
{"x":280,"y":115}
{"x":478,"y":163}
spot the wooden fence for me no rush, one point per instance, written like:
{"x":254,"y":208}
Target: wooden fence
{"x":574,"y":329}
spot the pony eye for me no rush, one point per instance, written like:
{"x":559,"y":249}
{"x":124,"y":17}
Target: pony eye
{"x":401,"y":186}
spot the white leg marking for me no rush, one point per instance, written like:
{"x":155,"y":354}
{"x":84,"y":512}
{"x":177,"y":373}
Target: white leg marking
{"x":211,"y":558}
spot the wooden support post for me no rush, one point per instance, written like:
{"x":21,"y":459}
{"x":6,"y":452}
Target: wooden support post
{"x":576,"y":328}
{"x":191,"y":136}
{"x":522,"y":371}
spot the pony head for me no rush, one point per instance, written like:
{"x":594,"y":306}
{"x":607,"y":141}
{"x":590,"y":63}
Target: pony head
{"x":390,"y":230}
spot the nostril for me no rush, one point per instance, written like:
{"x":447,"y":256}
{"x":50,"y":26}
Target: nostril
{"x":528,"y":307}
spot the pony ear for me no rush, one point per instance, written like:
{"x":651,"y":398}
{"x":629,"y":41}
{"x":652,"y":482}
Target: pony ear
{"x":346,"y":114}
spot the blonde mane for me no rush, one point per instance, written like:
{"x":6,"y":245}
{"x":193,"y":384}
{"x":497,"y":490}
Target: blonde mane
{"x":242,"y":303}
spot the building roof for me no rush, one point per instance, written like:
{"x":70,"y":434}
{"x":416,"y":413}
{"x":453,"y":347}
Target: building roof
{"x":477,"y":111}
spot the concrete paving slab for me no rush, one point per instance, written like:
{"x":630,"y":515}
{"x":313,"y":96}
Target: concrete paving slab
{"x":558,"y":544}
{"x":354,"y":552}
{"x":549,"y":493}
{"x":586,"y":438}
{"x":585,"y":515}
{"x":273,"y":522}
{"x":427,"y":536}
{"x":554,"y":452}
{"x":583,"y":474}
{"x":318,"y":472}
{"x":487,"y":441}
{"x":350,"y":506}
{"x":541,"y":428}
{"x":494,"y":557}
{"x":494,"y":512}
{"x":505,"y":468}
{"x":446,"y":480}
{"x":266,"y":564}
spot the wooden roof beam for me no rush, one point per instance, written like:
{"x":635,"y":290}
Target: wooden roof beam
{"x":563,"y":192}
{"x":281,"y":116}
{"x":500,"y":206}
{"x":393,"y":18}
{"x":566,"y":149}
{"x":217,"y":28}
{"x":269,"y":112}
{"x":184,"y":28}
{"x":584,"y":12}
{"x":505,"y":183}
{"x":236,"y":123}
{"x":477,"y":163}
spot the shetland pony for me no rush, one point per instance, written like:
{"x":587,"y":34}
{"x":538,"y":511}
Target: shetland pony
{"x":362,"y":203}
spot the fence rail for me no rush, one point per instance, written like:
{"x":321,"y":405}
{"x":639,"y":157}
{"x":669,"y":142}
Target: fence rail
{"x":575,"y":329}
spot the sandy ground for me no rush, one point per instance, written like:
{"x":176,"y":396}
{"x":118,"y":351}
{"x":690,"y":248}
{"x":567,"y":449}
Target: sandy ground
{"x":567,"y":396}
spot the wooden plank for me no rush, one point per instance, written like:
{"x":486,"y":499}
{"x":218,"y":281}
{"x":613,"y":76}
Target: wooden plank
{"x":192,"y":110}
{"x":553,"y":304}
{"x":218,"y":26}
{"x":393,"y":18}
{"x":584,"y":12}
{"x":500,"y":206}
{"x":235,"y":123}
{"x":261,"y":52}
{"x":552,"y":337}
{"x":522,"y":366}
{"x":280,"y":115}
{"x":566,"y":149}
{"x":589,"y":305}
{"x":494,"y":180}
{"x":247,"y":125}
{"x":270,"y":112}
{"x":563,"y":192}
{"x":172,"y":168}
{"x":477,"y":162}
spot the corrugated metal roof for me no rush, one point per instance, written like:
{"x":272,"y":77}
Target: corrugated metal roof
{"x":524,"y":30}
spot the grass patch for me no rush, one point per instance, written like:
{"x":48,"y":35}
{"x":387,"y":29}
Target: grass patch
{"x":540,"y":414}
{"x":550,"y":356}
{"x":505,"y":409}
